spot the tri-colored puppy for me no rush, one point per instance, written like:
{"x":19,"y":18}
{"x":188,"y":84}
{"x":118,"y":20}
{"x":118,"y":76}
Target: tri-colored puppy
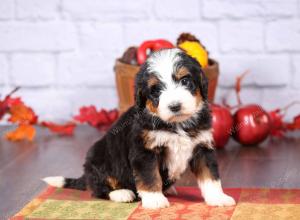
{"x":155,"y":141}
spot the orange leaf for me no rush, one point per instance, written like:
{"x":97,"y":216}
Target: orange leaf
{"x":22,"y":132}
{"x":22,"y":114}
{"x":64,"y":129}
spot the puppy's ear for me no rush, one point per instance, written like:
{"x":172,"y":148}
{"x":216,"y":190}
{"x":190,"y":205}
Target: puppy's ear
{"x":140,"y":87}
{"x":140,"y":99}
{"x":196,"y":68}
{"x":203,"y":85}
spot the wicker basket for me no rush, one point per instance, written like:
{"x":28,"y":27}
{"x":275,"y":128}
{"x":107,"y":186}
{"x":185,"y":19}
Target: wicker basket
{"x":125,"y":76}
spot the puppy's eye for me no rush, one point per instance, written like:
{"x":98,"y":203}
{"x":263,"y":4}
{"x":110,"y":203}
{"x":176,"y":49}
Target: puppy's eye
{"x":186,"y":81}
{"x":155,"y":91}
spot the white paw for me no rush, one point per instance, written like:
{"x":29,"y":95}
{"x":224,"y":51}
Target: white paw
{"x":153,"y":200}
{"x":121,"y":195}
{"x":219,"y":200}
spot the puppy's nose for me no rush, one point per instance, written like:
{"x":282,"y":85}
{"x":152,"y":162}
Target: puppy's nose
{"x":175,"y":107}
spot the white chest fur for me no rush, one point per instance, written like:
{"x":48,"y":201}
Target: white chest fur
{"x":179,"y":148}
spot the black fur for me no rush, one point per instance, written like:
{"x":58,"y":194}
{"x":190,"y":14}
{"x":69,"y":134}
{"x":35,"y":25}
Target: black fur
{"x":121,"y":153}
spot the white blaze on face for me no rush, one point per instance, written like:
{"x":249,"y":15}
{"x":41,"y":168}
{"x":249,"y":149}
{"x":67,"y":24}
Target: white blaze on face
{"x":176,"y":94}
{"x":163,"y":64}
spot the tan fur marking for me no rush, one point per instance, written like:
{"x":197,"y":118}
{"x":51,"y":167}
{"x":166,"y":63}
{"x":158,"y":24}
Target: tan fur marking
{"x":179,"y":118}
{"x":155,"y":186}
{"x":112,"y":182}
{"x":151,"y":107}
{"x":148,"y":141}
{"x":153,"y":80}
{"x":203,"y":173}
{"x":183,"y":71}
{"x":198,"y":97}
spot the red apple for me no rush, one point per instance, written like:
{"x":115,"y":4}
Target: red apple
{"x":251,"y":125}
{"x":222,"y":123}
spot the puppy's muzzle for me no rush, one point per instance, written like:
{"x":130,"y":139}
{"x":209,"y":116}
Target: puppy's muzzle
{"x":175,"y":107}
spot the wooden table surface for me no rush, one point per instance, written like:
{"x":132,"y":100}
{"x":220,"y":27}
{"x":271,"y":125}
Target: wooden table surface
{"x":275,"y":164}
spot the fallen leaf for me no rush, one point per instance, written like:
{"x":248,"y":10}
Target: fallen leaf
{"x":90,"y":115}
{"x":22,"y":132}
{"x":22,"y":114}
{"x":13,"y":101}
{"x":62,"y":129}
{"x":295,"y":125}
{"x":113,"y":115}
{"x":7,"y":102}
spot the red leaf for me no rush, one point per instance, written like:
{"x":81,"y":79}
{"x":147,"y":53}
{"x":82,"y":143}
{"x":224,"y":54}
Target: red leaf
{"x":62,"y":129}
{"x":295,"y":125}
{"x":22,"y":114}
{"x":13,"y":101}
{"x":8,"y":102}
{"x":93,"y":117}
{"x":103,"y":118}
{"x":113,"y":115}
{"x":3,"y":109}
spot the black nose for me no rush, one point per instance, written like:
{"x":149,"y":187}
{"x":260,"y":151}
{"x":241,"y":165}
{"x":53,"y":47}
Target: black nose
{"x":175,"y":107}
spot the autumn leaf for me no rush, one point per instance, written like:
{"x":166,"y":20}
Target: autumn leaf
{"x":62,"y":129}
{"x":92,"y":116}
{"x":3,"y":109}
{"x":22,"y":114}
{"x":22,"y":132}
{"x":113,"y":115}
{"x":7,"y":102}
{"x":14,"y":101}
{"x":101,"y":119}
{"x":295,"y":125}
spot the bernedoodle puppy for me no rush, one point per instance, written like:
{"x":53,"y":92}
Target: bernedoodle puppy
{"x":155,"y":141}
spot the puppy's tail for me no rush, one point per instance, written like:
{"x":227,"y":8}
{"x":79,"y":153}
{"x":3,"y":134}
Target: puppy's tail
{"x":62,"y":182}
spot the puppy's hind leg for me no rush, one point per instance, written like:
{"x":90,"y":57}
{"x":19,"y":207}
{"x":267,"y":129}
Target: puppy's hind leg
{"x":96,"y":182}
{"x":121,"y":195}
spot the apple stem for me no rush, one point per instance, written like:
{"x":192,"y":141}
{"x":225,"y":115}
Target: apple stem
{"x":238,"y":86}
{"x":12,"y":92}
{"x":288,"y":106}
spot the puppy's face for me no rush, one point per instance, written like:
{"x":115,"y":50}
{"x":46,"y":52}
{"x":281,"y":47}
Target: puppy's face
{"x":171,"y":86}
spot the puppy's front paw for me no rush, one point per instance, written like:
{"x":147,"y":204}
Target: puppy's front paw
{"x":219,"y":200}
{"x":153,"y":200}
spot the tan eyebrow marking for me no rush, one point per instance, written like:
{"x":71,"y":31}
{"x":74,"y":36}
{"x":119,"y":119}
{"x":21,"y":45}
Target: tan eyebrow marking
{"x":153,"y":80}
{"x":181,"y":72}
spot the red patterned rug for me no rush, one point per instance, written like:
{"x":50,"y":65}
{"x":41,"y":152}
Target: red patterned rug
{"x":56,"y":203}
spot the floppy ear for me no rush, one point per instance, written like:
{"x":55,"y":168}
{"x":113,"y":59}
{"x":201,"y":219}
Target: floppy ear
{"x":140,"y":99}
{"x":140,"y":86}
{"x":203,"y":85}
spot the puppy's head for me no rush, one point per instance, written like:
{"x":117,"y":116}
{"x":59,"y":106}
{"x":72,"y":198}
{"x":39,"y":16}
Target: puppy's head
{"x":171,"y":85}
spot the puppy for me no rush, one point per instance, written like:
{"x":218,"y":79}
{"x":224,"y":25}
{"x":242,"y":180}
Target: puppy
{"x":155,"y":141}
